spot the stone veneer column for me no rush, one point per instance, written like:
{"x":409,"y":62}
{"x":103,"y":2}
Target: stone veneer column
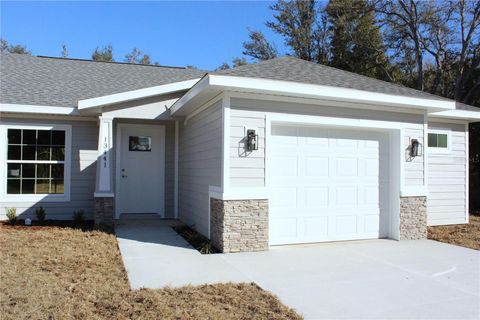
{"x":413,"y":218}
{"x":103,"y":212}
{"x":239,"y":225}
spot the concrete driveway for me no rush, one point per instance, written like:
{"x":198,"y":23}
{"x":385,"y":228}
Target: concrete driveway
{"x":379,"y":279}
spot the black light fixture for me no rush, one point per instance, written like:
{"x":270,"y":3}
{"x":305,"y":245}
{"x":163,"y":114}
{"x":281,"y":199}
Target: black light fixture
{"x":252,"y":140}
{"x":416,"y":148}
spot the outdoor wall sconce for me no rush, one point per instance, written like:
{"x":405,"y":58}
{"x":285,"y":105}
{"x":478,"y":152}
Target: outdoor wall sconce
{"x":252,"y":140}
{"x":416,"y":148}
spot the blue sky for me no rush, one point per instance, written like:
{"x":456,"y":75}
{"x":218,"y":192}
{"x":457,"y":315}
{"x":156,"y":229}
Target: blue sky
{"x":203,"y":34}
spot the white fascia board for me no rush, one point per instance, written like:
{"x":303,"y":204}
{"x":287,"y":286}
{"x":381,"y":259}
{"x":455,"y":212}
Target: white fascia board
{"x":295,"y":89}
{"x":28,"y":108}
{"x":192,"y":93}
{"x":136,"y":94}
{"x":457,"y":114}
{"x":329,"y":92}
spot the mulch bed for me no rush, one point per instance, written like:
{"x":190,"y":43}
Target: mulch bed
{"x":465,"y":235}
{"x":196,"y":240}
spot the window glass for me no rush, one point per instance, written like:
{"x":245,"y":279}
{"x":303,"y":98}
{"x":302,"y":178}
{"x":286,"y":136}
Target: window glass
{"x":438,"y":140}
{"x":35,"y":161}
{"x":442,"y":141}
{"x":14,"y":136}
{"x":14,"y":152}
{"x":29,"y":137}
{"x":13,"y":186}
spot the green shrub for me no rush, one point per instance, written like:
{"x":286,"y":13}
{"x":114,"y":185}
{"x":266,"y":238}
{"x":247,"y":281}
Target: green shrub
{"x":11,"y":215}
{"x":40,"y":213}
{"x":78,"y":217}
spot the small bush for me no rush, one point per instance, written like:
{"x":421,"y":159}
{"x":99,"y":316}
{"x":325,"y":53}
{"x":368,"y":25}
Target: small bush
{"x":40,"y":213}
{"x":11,"y":215}
{"x":78,"y":217}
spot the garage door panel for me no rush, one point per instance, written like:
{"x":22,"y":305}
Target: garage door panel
{"x":346,"y":167}
{"x":372,"y":224}
{"x":315,"y":226}
{"x":325,"y":184}
{"x":283,"y":166}
{"x":284,"y":196}
{"x":316,"y":166}
{"x":346,"y":196}
{"x":316,"y":197}
{"x":283,"y":229}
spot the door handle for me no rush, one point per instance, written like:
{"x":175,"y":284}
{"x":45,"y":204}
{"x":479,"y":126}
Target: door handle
{"x":124,"y":176}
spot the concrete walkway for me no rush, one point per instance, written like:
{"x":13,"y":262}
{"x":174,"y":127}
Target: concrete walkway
{"x":378,"y":279}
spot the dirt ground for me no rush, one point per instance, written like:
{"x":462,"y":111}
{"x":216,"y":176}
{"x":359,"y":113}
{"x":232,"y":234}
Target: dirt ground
{"x":62,"y":273}
{"x":465,"y":235}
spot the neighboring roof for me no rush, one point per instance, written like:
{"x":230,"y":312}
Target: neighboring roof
{"x":298,"y":70}
{"x":31,"y":80}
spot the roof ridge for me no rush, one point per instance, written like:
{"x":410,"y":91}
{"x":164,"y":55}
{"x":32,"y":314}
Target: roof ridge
{"x":94,"y":61}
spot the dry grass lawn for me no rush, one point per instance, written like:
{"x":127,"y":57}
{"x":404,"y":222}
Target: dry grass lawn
{"x":465,"y":235}
{"x":55,"y":273}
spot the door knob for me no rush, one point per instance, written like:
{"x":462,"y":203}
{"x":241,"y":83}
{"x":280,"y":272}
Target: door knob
{"x":124,"y":176}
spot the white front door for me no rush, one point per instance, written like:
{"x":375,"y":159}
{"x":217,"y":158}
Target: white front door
{"x":141,"y":169}
{"x":326,"y":184}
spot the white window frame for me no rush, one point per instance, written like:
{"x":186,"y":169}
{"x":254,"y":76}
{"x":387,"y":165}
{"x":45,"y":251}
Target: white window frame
{"x":448,"y":149}
{"x":4,"y":197}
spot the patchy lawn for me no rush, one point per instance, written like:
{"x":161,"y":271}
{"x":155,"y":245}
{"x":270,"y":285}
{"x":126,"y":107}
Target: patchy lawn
{"x":465,"y":235}
{"x":61,"y":273}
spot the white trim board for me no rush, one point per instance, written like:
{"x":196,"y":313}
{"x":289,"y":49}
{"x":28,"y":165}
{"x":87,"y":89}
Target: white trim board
{"x":288,"y":88}
{"x":136,"y":94}
{"x":456,"y":114}
{"x":37,"y":109}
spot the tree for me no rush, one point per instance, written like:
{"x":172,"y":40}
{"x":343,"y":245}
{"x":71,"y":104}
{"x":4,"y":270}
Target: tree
{"x":223,"y":66}
{"x":5,"y":47}
{"x":137,"y":57}
{"x":64,"y":52}
{"x":301,"y":25}
{"x":103,"y":54}
{"x":237,"y":62}
{"x":259,"y":47}
{"x":468,"y":16}
{"x":356,"y":41}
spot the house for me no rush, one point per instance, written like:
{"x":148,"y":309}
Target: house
{"x":279,"y":152}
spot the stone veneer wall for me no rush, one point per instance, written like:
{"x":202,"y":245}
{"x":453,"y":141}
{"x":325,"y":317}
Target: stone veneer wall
{"x":239,"y":225}
{"x":103,"y":212}
{"x":413,"y":218}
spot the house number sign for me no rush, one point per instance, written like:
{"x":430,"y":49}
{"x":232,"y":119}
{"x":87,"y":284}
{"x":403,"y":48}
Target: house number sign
{"x":105,"y":149}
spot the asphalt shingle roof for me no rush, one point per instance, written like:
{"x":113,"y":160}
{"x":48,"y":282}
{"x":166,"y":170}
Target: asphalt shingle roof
{"x":47,"y":81}
{"x":297,"y":70}
{"x":51,"y":81}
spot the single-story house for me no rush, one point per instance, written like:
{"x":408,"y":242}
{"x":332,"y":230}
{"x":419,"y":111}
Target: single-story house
{"x":279,"y":152}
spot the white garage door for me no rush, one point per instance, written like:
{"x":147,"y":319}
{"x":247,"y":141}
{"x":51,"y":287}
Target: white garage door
{"x":325,"y":184}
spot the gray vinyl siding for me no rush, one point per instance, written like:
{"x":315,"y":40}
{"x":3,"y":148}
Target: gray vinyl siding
{"x":83,"y":171}
{"x":447,"y":177}
{"x":249,"y":171}
{"x":200,"y":165}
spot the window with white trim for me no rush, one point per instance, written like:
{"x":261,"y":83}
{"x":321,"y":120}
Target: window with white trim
{"x":35,"y":161}
{"x":438,"y":140}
